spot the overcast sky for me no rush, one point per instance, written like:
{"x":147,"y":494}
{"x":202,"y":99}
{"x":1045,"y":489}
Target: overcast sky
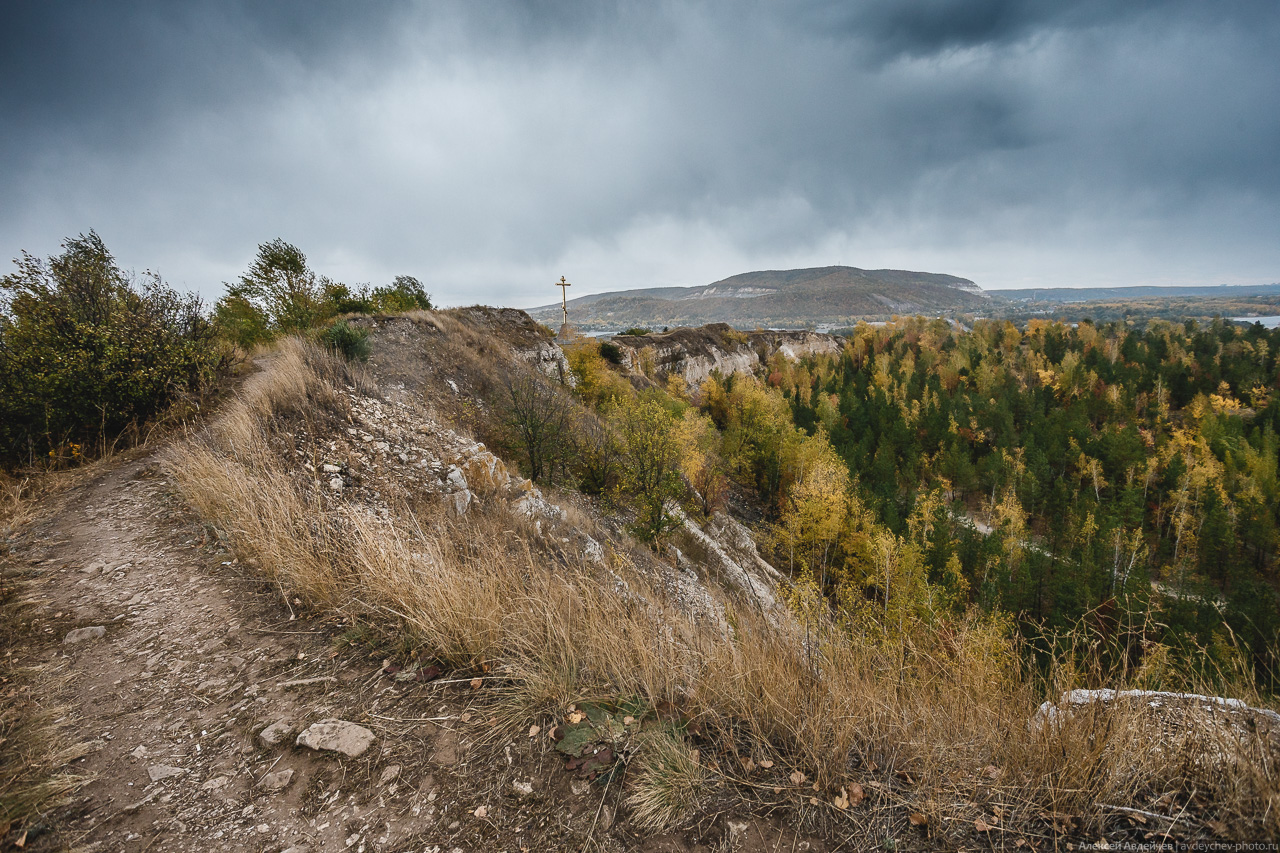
{"x":489,"y":148}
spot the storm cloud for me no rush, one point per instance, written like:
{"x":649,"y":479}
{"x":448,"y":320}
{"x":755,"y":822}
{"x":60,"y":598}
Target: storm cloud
{"x":488,"y":149}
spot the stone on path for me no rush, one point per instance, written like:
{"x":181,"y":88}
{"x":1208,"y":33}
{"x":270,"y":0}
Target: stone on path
{"x":337,"y":736}
{"x":275,"y":733}
{"x":277,"y":781}
{"x":79,"y":635}
{"x":161,"y":771}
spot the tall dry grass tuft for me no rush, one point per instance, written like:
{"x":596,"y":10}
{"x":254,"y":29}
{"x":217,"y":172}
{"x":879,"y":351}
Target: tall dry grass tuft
{"x":938,"y":716}
{"x":34,"y":751}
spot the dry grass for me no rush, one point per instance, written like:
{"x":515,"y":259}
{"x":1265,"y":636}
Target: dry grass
{"x":33,"y":747}
{"x":937,"y":717}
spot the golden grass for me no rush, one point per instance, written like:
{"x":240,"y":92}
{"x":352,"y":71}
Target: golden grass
{"x":938,"y":718}
{"x":34,"y":751}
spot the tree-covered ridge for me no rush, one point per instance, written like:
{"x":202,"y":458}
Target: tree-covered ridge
{"x":1125,"y":475}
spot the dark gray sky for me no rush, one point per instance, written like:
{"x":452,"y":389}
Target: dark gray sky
{"x":489,"y":148}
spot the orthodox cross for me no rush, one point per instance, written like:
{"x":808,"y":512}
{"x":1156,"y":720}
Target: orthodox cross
{"x":564,"y":304}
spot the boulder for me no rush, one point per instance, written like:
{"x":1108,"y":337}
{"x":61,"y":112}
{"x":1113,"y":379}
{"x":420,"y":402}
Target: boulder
{"x":1179,"y":710}
{"x":485,"y":473}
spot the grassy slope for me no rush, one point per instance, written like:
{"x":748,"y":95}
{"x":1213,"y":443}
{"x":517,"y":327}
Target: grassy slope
{"x":837,"y":725}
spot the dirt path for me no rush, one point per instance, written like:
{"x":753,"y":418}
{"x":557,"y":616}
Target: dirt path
{"x":199,"y":655}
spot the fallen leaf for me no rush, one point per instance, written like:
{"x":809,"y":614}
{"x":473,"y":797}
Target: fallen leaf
{"x":766,"y":763}
{"x":22,"y":840}
{"x":917,"y":819}
{"x":813,"y":801}
{"x":856,"y":794}
{"x":466,"y":717}
{"x":992,"y":771}
{"x":481,"y":812}
{"x":1218,"y":827}
{"x":748,"y":765}
{"x":796,"y":777}
{"x":476,"y":683}
{"x":982,"y":826}
{"x":533,"y":730}
{"x":576,"y":718}
{"x":628,"y":721}
{"x":815,"y":787}
{"x":842,"y":800}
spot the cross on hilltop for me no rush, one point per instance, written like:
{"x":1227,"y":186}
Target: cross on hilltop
{"x":564,"y":304}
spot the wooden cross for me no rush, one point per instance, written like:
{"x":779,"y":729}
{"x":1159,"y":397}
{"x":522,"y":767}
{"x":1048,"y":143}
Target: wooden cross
{"x":564,"y":304}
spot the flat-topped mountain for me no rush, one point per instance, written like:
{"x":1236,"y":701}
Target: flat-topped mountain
{"x":820,"y":296}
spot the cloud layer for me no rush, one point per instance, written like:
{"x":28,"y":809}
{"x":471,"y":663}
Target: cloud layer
{"x":489,"y":150}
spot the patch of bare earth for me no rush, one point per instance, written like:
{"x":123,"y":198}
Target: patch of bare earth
{"x":197,"y":657}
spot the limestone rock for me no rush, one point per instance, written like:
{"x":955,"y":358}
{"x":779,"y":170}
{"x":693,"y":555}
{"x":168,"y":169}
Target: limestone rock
{"x":276,"y":733}
{"x":337,"y":736}
{"x":79,"y":635}
{"x":460,"y":502}
{"x":485,"y":473}
{"x":217,"y":783}
{"x":276,"y":781}
{"x":160,"y":771}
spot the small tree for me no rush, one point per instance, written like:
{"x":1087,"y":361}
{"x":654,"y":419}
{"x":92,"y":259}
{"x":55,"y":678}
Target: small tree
{"x":280,"y":287}
{"x":650,"y":456}
{"x":596,"y":455}
{"x":405,"y":293}
{"x":540,"y":416}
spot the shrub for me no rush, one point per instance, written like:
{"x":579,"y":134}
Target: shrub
{"x":340,"y":300}
{"x":405,"y":293}
{"x":279,"y":289}
{"x":635,"y":331}
{"x":611,"y":352}
{"x":346,"y":339}
{"x":86,"y":354}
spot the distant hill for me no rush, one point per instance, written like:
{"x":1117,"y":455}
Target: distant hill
{"x":1093,"y":294}
{"x":806,"y":298}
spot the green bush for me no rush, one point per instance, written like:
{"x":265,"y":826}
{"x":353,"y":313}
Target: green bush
{"x":611,"y":352}
{"x":405,"y":293}
{"x":635,"y":331}
{"x":344,"y":338}
{"x":86,"y":354}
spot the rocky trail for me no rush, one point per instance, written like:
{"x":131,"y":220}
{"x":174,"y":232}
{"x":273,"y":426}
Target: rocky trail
{"x":202,"y":697}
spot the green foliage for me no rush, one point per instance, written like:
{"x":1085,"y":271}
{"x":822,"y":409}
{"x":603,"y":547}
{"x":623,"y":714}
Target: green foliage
{"x":351,"y":342}
{"x":538,"y":415}
{"x":86,"y":354}
{"x":650,"y":457}
{"x":405,"y":293}
{"x":635,"y":331}
{"x":611,"y":352}
{"x":281,"y":288}
{"x":279,"y":294}
{"x":1068,"y":471}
